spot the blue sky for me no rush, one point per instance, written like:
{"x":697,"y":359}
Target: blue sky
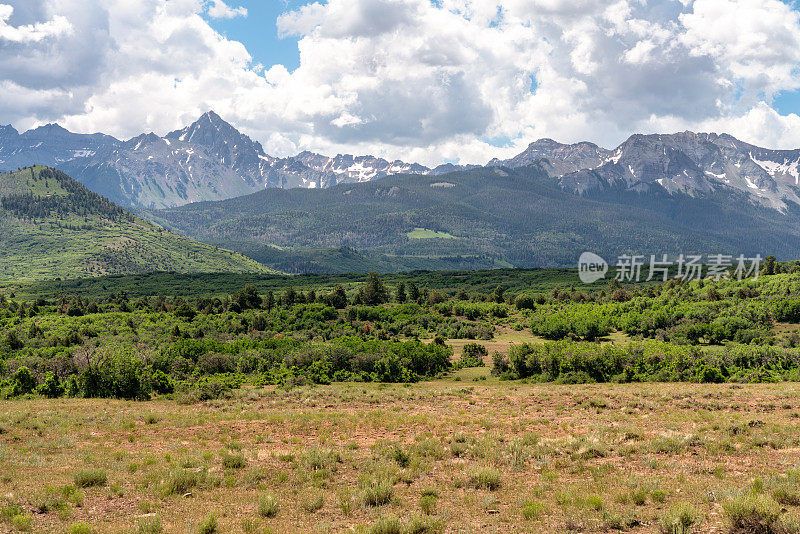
{"x":787,"y":102}
{"x":259,"y":33}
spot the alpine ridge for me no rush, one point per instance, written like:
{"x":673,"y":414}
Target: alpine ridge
{"x":211,"y":160}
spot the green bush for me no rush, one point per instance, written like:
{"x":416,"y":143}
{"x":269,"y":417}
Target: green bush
{"x":86,"y":478}
{"x":751,"y":512}
{"x":233,"y":460}
{"x":313,"y":502}
{"x":150,"y":525}
{"x":680,"y":519}
{"x":533,"y":510}
{"x":23,"y":381}
{"x":208,"y":525}
{"x":51,"y":387}
{"x":180,"y":481}
{"x":485,"y":478}
{"x":22,"y":522}
{"x":268,"y":506}
{"x":387,"y":525}
{"x":472,"y":355}
{"x":376,"y":491}
{"x":79,"y":528}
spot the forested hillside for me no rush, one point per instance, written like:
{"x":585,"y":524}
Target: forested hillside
{"x":52,"y":226}
{"x":482,"y":218}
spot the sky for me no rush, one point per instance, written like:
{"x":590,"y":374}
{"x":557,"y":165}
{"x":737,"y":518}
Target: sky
{"x":420,"y":80}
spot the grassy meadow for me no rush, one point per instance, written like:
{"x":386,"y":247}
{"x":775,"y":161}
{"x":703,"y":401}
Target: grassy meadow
{"x":445,"y":456}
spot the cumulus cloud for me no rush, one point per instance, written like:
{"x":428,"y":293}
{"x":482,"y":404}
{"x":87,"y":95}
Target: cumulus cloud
{"x":218,"y":9}
{"x":412,"y":79}
{"x":59,"y":25}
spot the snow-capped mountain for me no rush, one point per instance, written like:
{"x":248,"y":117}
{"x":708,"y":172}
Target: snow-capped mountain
{"x":560,"y":158}
{"x":345,"y":168}
{"x":207,"y":160}
{"x":47,"y":145}
{"x":693,"y":164}
{"x":211,"y":160}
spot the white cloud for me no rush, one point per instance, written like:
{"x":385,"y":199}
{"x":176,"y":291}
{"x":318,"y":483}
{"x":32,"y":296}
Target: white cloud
{"x":410,"y":78}
{"x":59,"y":25}
{"x":218,"y":9}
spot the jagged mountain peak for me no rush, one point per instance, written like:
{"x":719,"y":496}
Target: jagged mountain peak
{"x":8,"y":131}
{"x":209,"y":129}
{"x":50,"y":127}
{"x":694,"y":164}
{"x":143,"y":140}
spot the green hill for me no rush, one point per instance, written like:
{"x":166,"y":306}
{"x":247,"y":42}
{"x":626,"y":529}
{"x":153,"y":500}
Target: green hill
{"x":52,"y":226}
{"x":482,"y":218}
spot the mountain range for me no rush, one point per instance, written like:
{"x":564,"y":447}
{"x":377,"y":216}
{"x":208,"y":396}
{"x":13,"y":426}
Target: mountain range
{"x":689,"y":163}
{"x":207,"y":160}
{"x":211,"y":160}
{"x":487,"y":217}
{"x":660,"y":193}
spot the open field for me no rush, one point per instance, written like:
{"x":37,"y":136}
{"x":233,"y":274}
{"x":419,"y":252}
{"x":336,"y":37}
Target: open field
{"x":425,"y":233}
{"x":346,"y":457}
{"x":504,"y":338}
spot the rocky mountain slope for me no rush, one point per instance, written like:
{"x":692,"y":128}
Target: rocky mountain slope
{"x":207,"y":160}
{"x":689,"y":163}
{"x":211,"y":160}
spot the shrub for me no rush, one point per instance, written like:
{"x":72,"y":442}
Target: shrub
{"x":376,"y":491}
{"x":160,"y":382}
{"x":532,"y":509}
{"x":679,"y":520}
{"x":233,"y":460}
{"x":524,"y":302}
{"x":22,"y":522}
{"x":24,"y":382}
{"x":86,"y":478}
{"x":268,"y":506}
{"x":472,"y":355}
{"x":753,"y":513}
{"x":786,"y":495}
{"x":639,"y":496}
{"x":208,"y":525}
{"x":180,"y":481}
{"x":51,"y":387}
{"x":387,"y":525}
{"x":400,"y":456}
{"x":79,"y":528}
{"x":595,"y":502}
{"x":485,"y":478}
{"x":150,"y":524}
{"x":423,"y":525}
{"x":13,"y":341}
{"x":317,"y":459}
{"x":658,"y":496}
{"x":313,"y":502}
{"x":427,"y":503}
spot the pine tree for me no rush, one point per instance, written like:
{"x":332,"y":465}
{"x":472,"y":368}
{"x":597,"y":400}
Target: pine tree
{"x":400,"y":292}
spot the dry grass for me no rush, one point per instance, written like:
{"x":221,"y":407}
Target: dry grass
{"x":441,"y":456}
